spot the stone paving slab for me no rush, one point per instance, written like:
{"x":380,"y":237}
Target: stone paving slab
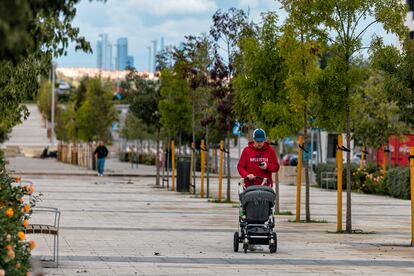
{"x":125,"y":226}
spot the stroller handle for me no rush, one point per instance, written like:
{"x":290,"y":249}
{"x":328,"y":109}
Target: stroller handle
{"x":265,"y":180}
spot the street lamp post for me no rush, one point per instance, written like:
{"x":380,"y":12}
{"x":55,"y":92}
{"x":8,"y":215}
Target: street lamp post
{"x":52,"y":131}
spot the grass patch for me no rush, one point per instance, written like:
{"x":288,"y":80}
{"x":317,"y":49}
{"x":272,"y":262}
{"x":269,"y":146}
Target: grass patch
{"x":311,"y":221}
{"x":284,"y":213}
{"x":356,"y":231}
{"x":215,"y":200}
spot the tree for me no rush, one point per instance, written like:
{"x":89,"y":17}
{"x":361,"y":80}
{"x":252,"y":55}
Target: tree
{"x":134,"y":128}
{"x":397,"y":69}
{"x":97,"y":112}
{"x":348,"y":22}
{"x":144,"y":105}
{"x":228,"y":28}
{"x":261,"y":98}
{"x":301,"y":42}
{"x":175,"y":105}
{"x":30,"y":32}
{"x":375,"y":117}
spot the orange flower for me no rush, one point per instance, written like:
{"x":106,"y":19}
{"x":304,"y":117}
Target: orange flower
{"x":11,"y":254}
{"x":26,"y":208}
{"x":17,"y":178}
{"x":9,"y":247}
{"x":25,"y":223}
{"x":30,"y":189}
{"x":21,"y":200}
{"x":21,"y":235}
{"x":9,"y":212}
{"x":18,"y":265}
{"x":2,"y":272}
{"x":32,"y":244}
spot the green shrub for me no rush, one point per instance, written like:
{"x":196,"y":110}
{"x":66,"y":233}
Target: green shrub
{"x":369,"y":181}
{"x":356,"y":178}
{"x":398,"y":182}
{"x":14,"y":249}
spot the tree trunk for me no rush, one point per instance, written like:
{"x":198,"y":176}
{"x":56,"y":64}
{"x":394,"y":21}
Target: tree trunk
{"x":306,"y":164}
{"x":277,"y":199}
{"x":348,"y":171}
{"x":179,"y":143}
{"x":193,"y":143}
{"x":157,"y":159}
{"x":208,"y":163}
{"x":228,"y":163}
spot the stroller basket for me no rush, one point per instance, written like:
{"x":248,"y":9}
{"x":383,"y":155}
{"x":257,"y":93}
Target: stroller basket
{"x":257,"y":202}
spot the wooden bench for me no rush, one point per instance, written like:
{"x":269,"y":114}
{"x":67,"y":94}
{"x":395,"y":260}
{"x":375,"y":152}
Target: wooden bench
{"x":48,"y":229}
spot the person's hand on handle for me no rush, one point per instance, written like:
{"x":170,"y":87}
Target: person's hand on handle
{"x":250,"y":176}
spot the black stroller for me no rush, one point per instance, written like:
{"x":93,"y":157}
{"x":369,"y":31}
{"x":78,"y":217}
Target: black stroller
{"x":256,"y":220}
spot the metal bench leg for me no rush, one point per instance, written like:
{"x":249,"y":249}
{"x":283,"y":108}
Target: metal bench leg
{"x":57,"y":249}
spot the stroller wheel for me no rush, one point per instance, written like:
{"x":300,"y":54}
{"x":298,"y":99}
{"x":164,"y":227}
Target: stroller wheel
{"x":245,"y":247}
{"x":236,"y":242}
{"x":273,"y":246}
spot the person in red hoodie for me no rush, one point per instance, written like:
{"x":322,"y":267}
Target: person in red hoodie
{"x":258,"y":159}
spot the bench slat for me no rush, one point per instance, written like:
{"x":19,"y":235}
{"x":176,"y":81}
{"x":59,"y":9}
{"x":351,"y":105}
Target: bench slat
{"x":41,"y":229}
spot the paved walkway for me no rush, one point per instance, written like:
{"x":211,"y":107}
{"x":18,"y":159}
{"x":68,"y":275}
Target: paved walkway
{"x":125,"y":226}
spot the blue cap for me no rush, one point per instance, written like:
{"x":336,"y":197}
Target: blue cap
{"x":259,"y":135}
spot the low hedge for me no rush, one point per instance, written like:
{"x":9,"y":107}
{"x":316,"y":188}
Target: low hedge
{"x":371,"y":180}
{"x":398,"y":182}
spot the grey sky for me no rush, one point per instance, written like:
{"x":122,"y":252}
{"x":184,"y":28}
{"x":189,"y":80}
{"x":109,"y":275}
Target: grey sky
{"x":144,"y":20}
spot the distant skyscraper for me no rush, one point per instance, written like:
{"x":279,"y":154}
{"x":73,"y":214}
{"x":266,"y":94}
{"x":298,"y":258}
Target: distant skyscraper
{"x":162,"y":44}
{"x":104,"y":52}
{"x":130,"y":61}
{"x":154,"y":55}
{"x":121,"y":53}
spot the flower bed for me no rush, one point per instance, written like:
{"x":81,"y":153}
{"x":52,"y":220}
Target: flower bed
{"x":14,"y":214}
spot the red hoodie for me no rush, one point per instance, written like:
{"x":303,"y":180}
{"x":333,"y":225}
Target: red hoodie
{"x":250,"y":159}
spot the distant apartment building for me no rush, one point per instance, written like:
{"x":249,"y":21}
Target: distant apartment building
{"x":104,"y":53}
{"x":121,"y":53}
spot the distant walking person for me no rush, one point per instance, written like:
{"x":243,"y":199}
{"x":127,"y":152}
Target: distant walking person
{"x":101,"y":152}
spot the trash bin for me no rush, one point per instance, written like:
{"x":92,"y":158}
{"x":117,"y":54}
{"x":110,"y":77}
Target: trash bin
{"x":183,"y":174}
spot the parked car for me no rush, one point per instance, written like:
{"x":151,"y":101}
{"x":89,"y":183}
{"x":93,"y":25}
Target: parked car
{"x":290,"y":159}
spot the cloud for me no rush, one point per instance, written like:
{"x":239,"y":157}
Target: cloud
{"x":170,"y":7}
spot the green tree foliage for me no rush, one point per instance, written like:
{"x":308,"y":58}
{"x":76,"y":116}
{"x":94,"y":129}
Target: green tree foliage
{"x":97,"y":112}
{"x":66,"y":127}
{"x":30,"y":33}
{"x":16,"y":83}
{"x":261,"y":98}
{"x":144,"y":103}
{"x":135,"y":129}
{"x":376,"y":116}
{"x":302,"y":41}
{"x":44,"y":99}
{"x":397,"y":69}
{"x":348,"y":22}
{"x":175,"y":105}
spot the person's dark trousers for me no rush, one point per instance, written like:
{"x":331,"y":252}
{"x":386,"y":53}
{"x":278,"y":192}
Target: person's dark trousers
{"x":101,"y":164}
